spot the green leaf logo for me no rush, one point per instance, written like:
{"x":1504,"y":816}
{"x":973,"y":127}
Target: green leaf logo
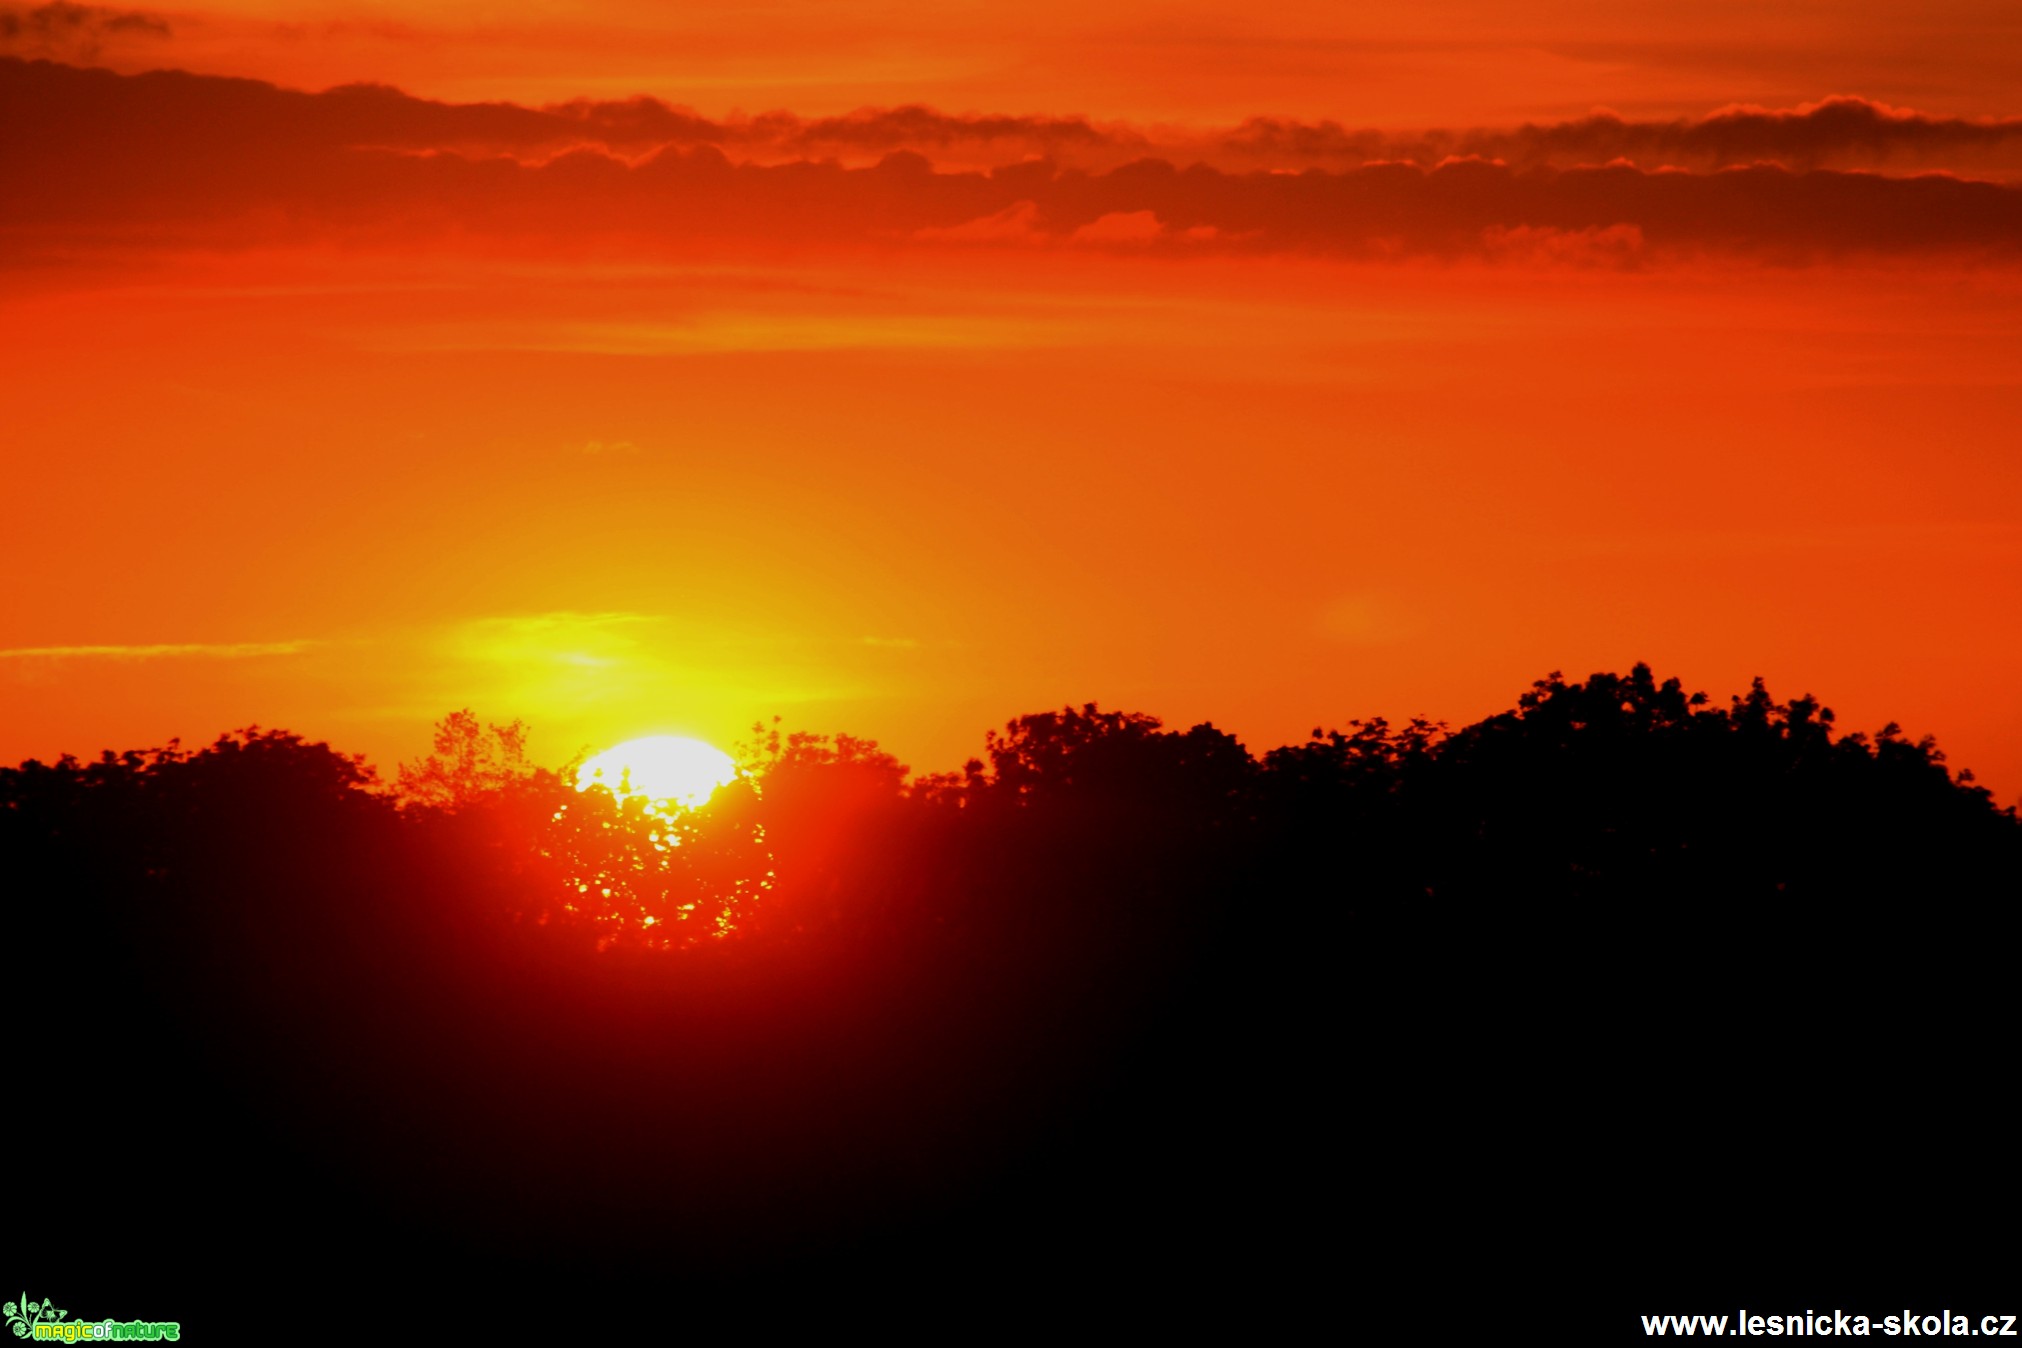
{"x":25,"y":1314}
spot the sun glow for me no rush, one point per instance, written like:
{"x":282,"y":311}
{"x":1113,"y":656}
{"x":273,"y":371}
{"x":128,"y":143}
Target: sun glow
{"x":659,"y":768}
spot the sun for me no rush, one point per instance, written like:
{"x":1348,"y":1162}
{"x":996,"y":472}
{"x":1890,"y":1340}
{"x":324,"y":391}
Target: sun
{"x":659,"y":768}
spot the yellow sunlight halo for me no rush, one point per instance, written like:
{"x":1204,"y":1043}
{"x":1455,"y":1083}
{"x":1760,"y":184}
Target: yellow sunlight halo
{"x":659,"y":768}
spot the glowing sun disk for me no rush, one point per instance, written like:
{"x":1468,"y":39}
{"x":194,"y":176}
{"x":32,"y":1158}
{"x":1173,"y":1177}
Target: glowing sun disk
{"x":659,"y":768}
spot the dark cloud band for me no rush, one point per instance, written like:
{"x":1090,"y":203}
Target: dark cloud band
{"x":212,"y":154}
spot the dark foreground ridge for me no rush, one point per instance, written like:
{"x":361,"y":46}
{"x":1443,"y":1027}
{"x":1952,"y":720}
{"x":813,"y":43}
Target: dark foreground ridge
{"x":1616,"y":1001}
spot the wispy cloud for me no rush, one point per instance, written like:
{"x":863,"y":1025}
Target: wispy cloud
{"x":237,"y":650}
{"x":1790,"y":185}
{"x":74,"y":32}
{"x":560,"y":620}
{"x":591,"y":675}
{"x":723,"y":333}
{"x":580,"y":640}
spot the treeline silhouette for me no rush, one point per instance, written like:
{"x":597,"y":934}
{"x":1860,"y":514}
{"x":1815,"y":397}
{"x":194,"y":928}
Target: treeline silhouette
{"x":1619,"y":989}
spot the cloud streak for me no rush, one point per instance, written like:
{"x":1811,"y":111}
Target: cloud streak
{"x":193,"y":156}
{"x":74,"y":32}
{"x":1840,"y":132}
{"x":1844,"y":132}
{"x":241,"y":650}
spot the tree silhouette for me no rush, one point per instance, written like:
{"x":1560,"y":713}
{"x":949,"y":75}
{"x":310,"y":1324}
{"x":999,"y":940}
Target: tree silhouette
{"x":469,"y":760}
{"x":1112,"y":997}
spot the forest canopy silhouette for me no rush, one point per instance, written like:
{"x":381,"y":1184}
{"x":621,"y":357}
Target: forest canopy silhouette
{"x":1112,"y":995}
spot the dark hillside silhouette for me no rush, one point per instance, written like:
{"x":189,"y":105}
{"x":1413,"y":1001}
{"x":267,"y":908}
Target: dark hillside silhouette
{"x":1620,"y":985}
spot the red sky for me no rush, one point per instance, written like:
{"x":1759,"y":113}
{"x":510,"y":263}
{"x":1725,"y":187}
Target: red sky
{"x":899,"y":369}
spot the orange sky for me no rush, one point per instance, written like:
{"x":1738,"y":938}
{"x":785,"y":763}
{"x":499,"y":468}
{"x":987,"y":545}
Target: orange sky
{"x":1436,"y":62}
{"x":340,"y":413}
